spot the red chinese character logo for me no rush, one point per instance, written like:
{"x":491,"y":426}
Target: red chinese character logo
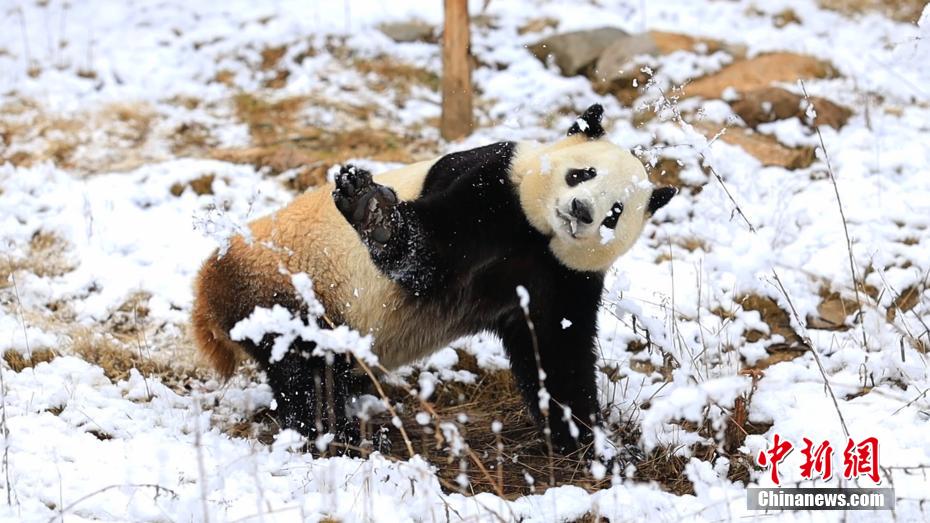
{"x":775,"y":455}
{"x":861,"y":459}
{"x":819,"y":460}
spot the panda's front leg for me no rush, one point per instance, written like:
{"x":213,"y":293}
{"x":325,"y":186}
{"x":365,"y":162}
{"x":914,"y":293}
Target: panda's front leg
{"x":397,"y":242}
{"x":370,"y":208}
{"x":562,"y":332}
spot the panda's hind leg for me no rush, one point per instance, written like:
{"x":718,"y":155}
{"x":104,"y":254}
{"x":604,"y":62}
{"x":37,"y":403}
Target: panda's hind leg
{"x":311,"y":394}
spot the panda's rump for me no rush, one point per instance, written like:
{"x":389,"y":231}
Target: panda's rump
{"x":310,"y":236}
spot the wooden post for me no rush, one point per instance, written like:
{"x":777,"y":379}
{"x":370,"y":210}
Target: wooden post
{"x":456,"y":121}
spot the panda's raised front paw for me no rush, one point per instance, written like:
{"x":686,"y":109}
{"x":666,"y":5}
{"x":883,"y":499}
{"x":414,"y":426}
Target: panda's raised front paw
{"x":368,"y":206}
{"x":351,"y":182}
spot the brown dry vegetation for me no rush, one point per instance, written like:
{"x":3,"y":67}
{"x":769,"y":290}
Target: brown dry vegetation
{"x":494,"y":397}
{"x":391,"y":73}
{"x":117,"y":354}
{"x":200,"y":185}
{"x":900,"y":10}
{"x":76,"y":141}
{"x":19,"y":361}
{"x":281,"y":141}
{"x":44,"y":258}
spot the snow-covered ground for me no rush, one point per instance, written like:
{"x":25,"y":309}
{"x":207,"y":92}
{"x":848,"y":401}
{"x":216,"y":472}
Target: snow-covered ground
{"x":95,"y":220}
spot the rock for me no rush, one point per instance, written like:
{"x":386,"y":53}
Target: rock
{"x":576,"y":50}
{"x":537,"y":25}
{"x":832,"y":313}
{"x":905,"y":301}
{"x":671,"y":42}
{"x":413,"y":31}
{"x":613,"y":71}
{"x":761,"y":71}
{"x":763,"y":147}
{"x":772,"y":314}
{"x":768,"y":104}
{"x":778,"y":353}
{"x":613,"y":63}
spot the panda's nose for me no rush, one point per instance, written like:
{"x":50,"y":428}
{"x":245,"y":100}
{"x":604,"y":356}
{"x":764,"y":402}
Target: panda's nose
{"x":581,"y":210}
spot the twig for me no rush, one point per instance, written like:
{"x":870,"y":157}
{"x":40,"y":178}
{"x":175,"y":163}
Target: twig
{"x":6,"y":440}
{"x":679,"y":119}
{"x":726,"y":190}
{"x":22,"y":317}
{"x":908,"y":404}
{"x":158,"y":489}
{"x":839,"y":202}
{"x":3,"y":426}
{"x":387,"y":403}
{"x":540,"y":374}
{"x":201,"y":468}
{"x":810,"y":347}
{"x":499,"y":448}
{"x":140,"y":343}
{"x":22,"y":27}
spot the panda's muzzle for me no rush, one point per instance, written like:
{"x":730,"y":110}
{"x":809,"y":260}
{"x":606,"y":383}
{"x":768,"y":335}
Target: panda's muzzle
{"x":575,"y":216}
{"x":581,"y":211}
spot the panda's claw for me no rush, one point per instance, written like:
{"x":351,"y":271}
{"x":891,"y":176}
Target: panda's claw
{"x":351,"y":182}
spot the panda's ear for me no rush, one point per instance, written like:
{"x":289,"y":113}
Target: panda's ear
{"x":589,"y":123}
{"x":660,"y":196}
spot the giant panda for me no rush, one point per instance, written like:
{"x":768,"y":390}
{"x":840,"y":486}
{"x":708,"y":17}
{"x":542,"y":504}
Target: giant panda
{"x":510,"y":238}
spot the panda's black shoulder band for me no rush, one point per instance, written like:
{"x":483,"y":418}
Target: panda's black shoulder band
{"x":589,"y":123}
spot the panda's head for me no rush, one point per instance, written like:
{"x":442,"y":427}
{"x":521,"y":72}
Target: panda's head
{"x":588,"y":195}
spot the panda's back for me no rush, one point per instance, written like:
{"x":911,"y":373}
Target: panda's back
{"x":310,"y":236}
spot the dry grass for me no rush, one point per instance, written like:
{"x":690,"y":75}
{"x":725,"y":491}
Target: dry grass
{"x":271,"y":56}
{"x":118,"y":353}
{"x":282,"y":142}
{"x":113,"y":357}
{"x":900,"y":10}
{"x":19,"y":361}
{"x":200,"y":185}
{"x":108,"y":138}
{"x":191,"y":139}
{"x":387,"y":72}
{"x":779,"y":323}
{"x":45,"y":258}
{"x":494,"y":397}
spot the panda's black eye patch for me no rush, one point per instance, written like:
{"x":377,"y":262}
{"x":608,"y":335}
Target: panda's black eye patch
{"x":576,"y":176}
{"x":613,"y":216}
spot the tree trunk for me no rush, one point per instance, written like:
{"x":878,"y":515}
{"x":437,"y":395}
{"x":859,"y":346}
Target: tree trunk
{"x":456,"y":120}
